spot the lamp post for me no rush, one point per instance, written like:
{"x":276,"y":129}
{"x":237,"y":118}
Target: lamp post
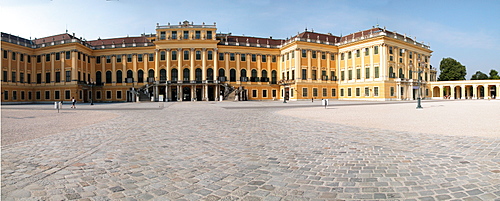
{"x":419,"y":107}
{"x":91,"y":83}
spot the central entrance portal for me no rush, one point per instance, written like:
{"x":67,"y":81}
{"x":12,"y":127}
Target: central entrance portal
{"x":186,"y":94}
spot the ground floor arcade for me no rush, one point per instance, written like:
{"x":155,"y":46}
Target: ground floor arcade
{"x":466,"y":89}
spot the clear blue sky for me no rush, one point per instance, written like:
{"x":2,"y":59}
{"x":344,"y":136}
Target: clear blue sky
{"x":468,"y":31}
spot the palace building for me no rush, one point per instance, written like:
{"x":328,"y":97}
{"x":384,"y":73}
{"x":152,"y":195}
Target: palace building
{"x":188,"y":62}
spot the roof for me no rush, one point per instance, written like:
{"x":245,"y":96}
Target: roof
{"x":126,"y":40}
{"x":317,"y":36}
{"x":251,"y":40}
{"x":60,"y":37}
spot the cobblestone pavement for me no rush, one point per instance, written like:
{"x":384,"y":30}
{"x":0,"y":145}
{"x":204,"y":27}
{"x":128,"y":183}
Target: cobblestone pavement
{"x":212,"y":151}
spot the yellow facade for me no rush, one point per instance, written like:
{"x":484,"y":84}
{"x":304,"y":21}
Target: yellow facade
{"x":188,"y":62}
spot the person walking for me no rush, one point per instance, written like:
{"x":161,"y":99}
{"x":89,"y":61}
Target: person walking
{"x":73,"y":101}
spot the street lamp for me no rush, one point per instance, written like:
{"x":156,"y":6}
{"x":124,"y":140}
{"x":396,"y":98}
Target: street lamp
{"x":419,"y":107}
{"x":91,"y":83}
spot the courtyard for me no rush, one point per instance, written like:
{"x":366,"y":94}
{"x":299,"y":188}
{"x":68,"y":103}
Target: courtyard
{"x":255,"y":150}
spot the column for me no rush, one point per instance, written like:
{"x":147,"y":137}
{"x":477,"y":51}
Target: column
{"x":134,"y":68}
{"x":169,"y":64}
{"x":309,"y":67}
{"x":191,"y":59}
{"x":74,"y":68}
{"x":216,"y":71}
{"x":474,"y":92}
{"x":180,"y":72}
{"x":441,"y":92}
{"x":298,"y":65}
{"x":204,"y":73}
{"x":157,"y":60}
{"x":486,"y":91}
{"x":452,"y":92}
{"x":52,"y":69}
{"x":497,"y":96}
{"x":462,"y":95}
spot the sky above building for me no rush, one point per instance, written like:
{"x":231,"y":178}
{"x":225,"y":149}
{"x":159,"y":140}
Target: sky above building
{"x":468,"y":31}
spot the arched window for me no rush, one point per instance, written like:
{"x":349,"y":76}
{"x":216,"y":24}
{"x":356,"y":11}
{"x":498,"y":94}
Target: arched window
{"x":391,"y":72}
{"x":140,"y":76}
{"x":163,"y":75}
{"x":264,"y":76}
{"x":254,"y":77}
{"x":108,"y":77}
{"x":198,"y":74}
{"x":274,"y":76}
{"x":174,"y":74}
{"x":98,"y":77}
{"x":401,"y":75}
{"x":243,"y":76}
{"x":222,"y":75}
{"x":185,"y":74}
{"x":151,"y":75}
{"x":210,"y":74}
{"x":119,"y":77}
{"x":232,"y":75}
{"x":130,"y":74}
{"x":410,"y":73}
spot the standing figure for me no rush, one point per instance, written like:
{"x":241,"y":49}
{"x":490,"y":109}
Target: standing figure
{"x":73,"y":101}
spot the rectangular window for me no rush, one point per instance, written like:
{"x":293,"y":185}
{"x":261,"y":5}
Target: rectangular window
{"x":314,"y":54}
{"x":67,"y":55}
{"x":47,"y":77}
{"x":293,"y":54}
{"x":304,"y":92}
{"x":47,"y":57}
{"x":162,"y":35}
{"x":68,"y":76}
{"x":342,"y":56}
{"x":29,"y":59}
{"x":67,"y":94}
{"x":118,"y":95}
{"x":47,"y":95}
{"x":98,"y":60}
{"x":367,"y":73}
{"x":367,"y":51}
{"x":342,"y":92}
{"x":342,"y":75}
{"x":4,"y":76}
{"x":390,"y":50}
{"x":14,"y":77}
{"x":350,"y":74}
{"x":129,"y":58}
{"x":358,"y":73}
{"x":58,"y":77}
{"x":231,"y":56}
{"x":264,"y":93}
{"x":22,"y":95}
{"x":358,"y":91}
{"x":358,"y":53}
{"x":221,"y":56}
{"x":38,"y":95}
{"x":13,"y":56}
{"x":254,"y":93}
{"x":139,"y":57}
{"x":108,"y":59}
{"x":325,"y":92}
{"x":392,"y":91}
{"x":38,"y":58}
{"x":151,"y":57}
{"x":349,"y":91}
{"x":108,"y":94}
{"x":349,"y":55}
{"x":186,"y":35}
{"x":254,"y":57}
{"x":332,"y":56}
{"x":315,"y":92}
{"x":198,"y":55}
{"x":273,"y":58}
{"x":58,"y":56}
{"x":29,"y":95}
{"x":5,"y":54}
{"x":21,"y":57}
{"x":209,"y":34}
{"x":411,"y":55}
{"x":210,"y":55}
{"x":79,"y":55}
{"x":39,"y":78}
{"x":197,"y":34}
{"x":118,"y":58}
{"x":313,"y":74}
{"x":57,"y":95}
{"x":174,"y":55}
{"x":375,"y":50}
{"x":21,"y":77}
{"x":323,"y":55}
{"x":186,"y":55}
{"x":264,"y":58}
{"x":304,"y":74}
{"x":375,"y":91}
{"x":304,"y":53}
{"x":6,"y":95}
{"x":367,"y":91}
{"x":274,"y":93}
{"x":174,"y":34}
{"x":377,"y":75}
{"x":243,"y":57}
{"x":334,"y":92}
{"x":98,"y":95}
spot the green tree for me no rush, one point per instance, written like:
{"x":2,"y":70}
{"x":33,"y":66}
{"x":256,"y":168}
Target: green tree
{"x":494,"y":75}
{"x":479,"y":76}
{"x":451,"y":69}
